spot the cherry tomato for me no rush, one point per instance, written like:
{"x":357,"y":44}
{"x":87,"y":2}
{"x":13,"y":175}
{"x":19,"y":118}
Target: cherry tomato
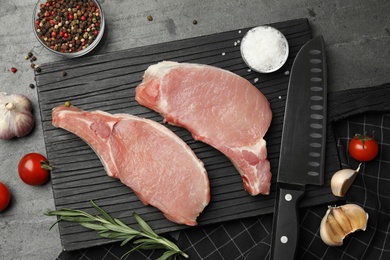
{"x":363,"y":148}
{"x":5,"y":197}
{"x":34,"y":169}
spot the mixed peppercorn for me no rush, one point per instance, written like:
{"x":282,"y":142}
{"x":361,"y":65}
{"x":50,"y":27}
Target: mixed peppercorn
{"x":67,"y":25}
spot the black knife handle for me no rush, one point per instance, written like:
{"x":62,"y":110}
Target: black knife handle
{"x":286,"y":222}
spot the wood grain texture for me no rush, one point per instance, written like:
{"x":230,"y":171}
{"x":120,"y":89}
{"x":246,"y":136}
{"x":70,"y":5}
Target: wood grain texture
{"x":343,"y":104}
{"x":107,"y":82}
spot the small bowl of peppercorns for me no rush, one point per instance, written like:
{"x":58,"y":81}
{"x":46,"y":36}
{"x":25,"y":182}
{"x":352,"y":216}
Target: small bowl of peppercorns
{"x":71,"y":28}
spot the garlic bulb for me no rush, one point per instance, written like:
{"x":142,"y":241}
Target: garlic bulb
{"x":341,"y":221}
{"x":342,"y":180}
{"x":16,"y":119}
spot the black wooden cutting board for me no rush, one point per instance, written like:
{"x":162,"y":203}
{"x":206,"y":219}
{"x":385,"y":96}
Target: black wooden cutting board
{"x":107,"y":82}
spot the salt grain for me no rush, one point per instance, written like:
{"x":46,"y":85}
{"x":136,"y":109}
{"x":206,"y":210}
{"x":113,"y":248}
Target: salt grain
{"x":223,"y":54}
{"x":255,"y":80}
{"x":264,"y":49}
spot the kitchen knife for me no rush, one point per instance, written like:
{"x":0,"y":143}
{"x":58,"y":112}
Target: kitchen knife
{"x":302,"y":151}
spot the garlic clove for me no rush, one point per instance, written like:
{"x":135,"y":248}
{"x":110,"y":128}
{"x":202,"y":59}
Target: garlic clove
{"x":342,"y":180}
{"x":341,"y":221}
{"x":357,"y":216}
{"x":330,"y":231}
{"x":341,"y":217}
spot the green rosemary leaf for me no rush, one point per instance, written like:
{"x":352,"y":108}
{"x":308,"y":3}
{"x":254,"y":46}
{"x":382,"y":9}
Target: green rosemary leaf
{"x":121,"y":229}
{"x":115,"y":228}
{"x":96,"y":227}
{"x":129,"y":252}
{"x":65,"y":212}
{"x":76,"y":219}
{"x":116,"y":236}
{"x":102,"y":212}
{"x":123,"y":237}
{"x":146,"y":246}
{"x":54,"y":224}
{"x":106,"y":234}
{"x":167,"y":254}
{"x":126,"y":240}
{"x":120,"y":223}
{"x":147,"y":241}
{"x":144,"y":226}
{"x":169,"y":243}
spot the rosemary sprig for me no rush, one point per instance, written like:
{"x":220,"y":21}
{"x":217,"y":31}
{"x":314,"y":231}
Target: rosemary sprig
{"x":108,"y":227}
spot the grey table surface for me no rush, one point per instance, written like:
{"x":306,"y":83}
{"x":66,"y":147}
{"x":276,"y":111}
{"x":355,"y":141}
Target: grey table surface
{"x":357,"y":35}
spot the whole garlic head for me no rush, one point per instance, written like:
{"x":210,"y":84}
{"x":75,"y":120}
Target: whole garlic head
{"x":16,"y":119}
{"x":341,"y":221}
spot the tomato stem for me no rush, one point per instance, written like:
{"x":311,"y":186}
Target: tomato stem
{"x":363,"y":138}
{"x":46,"y":166}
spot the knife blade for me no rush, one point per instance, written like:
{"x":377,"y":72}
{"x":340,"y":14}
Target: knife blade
{"x":302,"y":151}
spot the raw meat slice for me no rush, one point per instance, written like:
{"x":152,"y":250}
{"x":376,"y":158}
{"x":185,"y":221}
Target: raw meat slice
{"x":219,"y":108}
{"x":146,"y":156}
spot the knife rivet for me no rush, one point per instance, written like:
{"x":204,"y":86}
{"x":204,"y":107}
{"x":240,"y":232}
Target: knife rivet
{"x":288,"y":197}
{"x":284,"y":239}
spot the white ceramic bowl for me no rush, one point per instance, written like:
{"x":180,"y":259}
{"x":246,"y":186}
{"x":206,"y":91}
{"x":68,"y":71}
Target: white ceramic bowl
{"x":264,"y":49}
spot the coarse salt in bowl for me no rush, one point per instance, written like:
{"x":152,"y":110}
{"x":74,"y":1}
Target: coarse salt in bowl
{"x":69,"y":30}
{"x":264,"y":49}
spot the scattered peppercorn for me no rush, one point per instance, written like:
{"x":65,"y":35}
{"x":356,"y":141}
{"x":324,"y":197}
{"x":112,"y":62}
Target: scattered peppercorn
{"x":38,"y":69}
{"x":67,"y":104}
{"x":33,"y":58}
{"x":32,"y":86}
{"x":150,"y":18}
{"x":14,"y":70}
{"x":64,"y":73}
{"x":32,"y":65}
{"x":68,"y":26}
{"x":194,"y":22}
{"x":29,"y":54}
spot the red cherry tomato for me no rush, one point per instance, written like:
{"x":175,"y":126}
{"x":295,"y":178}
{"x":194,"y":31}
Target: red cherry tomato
{"x":363,"y":148}
{"x":34,"y":169}
{"x":5,"y":197}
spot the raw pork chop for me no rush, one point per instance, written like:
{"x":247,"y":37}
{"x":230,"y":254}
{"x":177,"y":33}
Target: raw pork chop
{"x":219,"y":108}
{"x":156,"y":164}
